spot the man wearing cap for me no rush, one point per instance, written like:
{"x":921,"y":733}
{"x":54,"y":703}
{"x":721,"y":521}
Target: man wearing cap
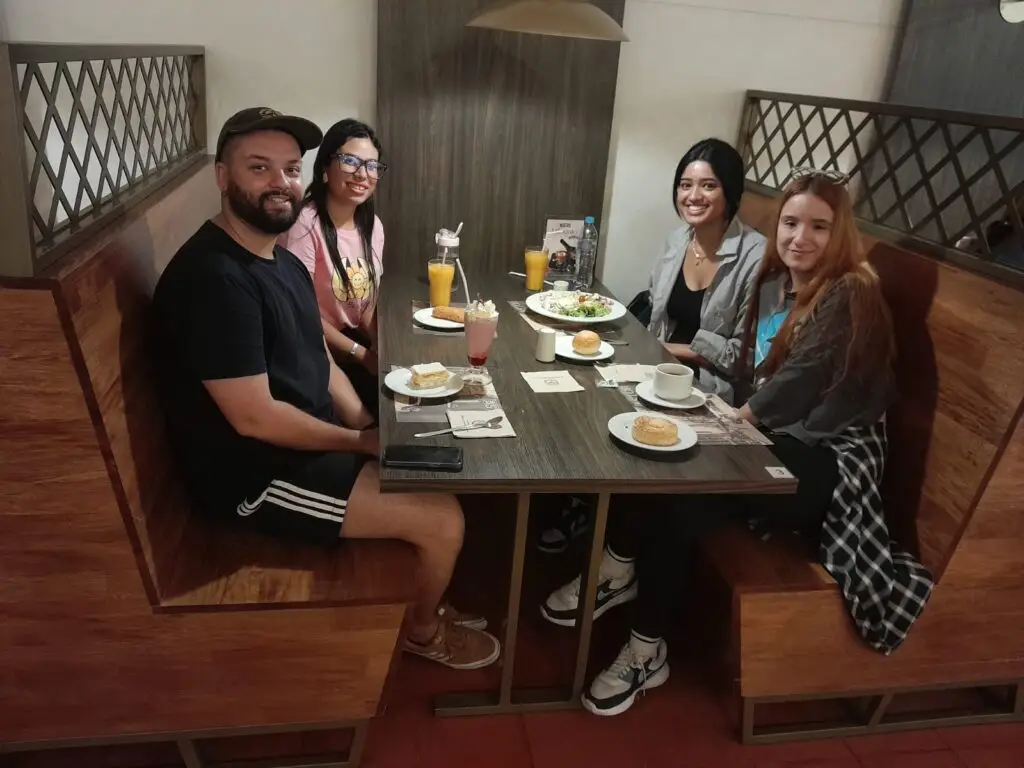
{"x":268,"y":431}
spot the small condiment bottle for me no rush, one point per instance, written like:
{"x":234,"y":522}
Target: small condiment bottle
{"x":546,"y":345}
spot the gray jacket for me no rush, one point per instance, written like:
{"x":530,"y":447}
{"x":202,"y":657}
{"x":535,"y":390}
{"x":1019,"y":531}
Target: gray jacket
{"x":724,"y":311}
{"x":802,"y":399}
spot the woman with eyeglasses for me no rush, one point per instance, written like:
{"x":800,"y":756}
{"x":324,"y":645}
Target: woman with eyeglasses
{"x":341,"y":241}
{"x":823,"y":344}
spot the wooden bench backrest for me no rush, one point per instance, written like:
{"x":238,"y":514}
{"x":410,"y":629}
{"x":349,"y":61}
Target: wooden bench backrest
{"x":960,"y":376}
{"x":107,"y":288}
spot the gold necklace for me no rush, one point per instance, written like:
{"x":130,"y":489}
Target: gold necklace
{"x":697,"y":255}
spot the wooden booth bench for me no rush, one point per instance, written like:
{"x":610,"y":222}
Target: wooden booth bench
{"x":123,"y":616}
{"x":954,"y":494}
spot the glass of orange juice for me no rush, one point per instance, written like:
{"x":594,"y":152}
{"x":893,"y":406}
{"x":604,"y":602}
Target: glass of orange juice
{"x":440,"y":274}
{"x":536,"y":267}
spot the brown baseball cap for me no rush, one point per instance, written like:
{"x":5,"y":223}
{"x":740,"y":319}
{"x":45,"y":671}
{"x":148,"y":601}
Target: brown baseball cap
{"x":304,"y":131}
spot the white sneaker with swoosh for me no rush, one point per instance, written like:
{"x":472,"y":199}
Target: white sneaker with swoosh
{"x":561,"y":605}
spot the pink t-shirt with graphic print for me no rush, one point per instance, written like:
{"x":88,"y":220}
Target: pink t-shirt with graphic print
{"x":342,"y":308}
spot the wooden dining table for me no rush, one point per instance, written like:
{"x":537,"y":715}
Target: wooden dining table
{"x":562,"y":445}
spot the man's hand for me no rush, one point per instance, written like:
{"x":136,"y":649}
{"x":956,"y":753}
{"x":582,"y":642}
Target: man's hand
{"x":369,"y":442}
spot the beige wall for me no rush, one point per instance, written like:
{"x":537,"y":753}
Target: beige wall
{"x":316,"y":58}
{"x":682,"y":78}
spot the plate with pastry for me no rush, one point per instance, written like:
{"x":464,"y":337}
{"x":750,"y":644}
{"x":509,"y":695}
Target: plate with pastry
{"x":645,"y":391}
{"x":585,"y":346}
{"x":426,"y":380}
{"x":442,"y":318}
{"x":652,"y":432}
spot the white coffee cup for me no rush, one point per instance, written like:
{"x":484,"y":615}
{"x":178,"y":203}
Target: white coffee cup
{"x":673,"y":381}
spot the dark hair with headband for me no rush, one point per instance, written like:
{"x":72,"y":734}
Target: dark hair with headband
{"x":727,"y":165}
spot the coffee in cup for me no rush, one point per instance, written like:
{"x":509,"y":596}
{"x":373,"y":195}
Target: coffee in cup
{"x":673,"y":381}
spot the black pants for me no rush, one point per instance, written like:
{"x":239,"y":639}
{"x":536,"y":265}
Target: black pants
{"x":660,"y":531}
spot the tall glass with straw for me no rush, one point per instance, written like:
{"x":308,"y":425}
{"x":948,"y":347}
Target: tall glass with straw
{"x":441,"y":269}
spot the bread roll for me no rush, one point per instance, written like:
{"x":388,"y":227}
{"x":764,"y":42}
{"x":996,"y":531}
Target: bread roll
{"x":652,"y":430}
{"x":454,"y":314}
{"x":586,"y":343}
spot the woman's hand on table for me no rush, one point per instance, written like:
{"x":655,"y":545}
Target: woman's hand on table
{"x":745,"y":414}
{"x":681,"y":351}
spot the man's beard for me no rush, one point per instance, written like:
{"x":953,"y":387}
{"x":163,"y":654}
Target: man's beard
{"x":259,"y":218}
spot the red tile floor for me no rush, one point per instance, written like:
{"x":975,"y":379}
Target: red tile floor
{"x":683,"y":724}
{"x":686,"y":723}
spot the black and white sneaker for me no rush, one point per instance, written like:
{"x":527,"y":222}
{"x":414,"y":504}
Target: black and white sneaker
{"x":633,"y":672}
{"x":560,"y":607}
{"x":573,"y":521}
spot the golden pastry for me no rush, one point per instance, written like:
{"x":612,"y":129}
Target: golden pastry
{"x":652,"y":430}
{"x":454,"y":314}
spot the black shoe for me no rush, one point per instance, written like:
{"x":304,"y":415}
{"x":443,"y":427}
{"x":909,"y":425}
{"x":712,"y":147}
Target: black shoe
{"x":573,"y":521}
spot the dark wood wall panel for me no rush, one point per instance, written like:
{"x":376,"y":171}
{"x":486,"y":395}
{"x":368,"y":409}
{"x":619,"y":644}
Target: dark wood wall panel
{"x":491,"y":128}
{"x":959,"y":54}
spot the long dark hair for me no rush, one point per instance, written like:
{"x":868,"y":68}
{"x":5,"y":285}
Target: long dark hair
{"x":727,"y":164}
{"x":317,"y":194}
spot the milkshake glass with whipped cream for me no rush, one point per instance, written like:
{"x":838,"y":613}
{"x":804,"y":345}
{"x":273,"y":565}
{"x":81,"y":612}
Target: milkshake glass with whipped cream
{"x":481,"y":323}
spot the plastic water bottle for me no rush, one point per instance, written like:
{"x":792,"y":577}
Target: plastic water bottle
{"x":586,"y":255}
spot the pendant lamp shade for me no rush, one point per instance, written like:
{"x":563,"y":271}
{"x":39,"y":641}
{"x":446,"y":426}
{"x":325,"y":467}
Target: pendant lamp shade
{"x":561,"y":18}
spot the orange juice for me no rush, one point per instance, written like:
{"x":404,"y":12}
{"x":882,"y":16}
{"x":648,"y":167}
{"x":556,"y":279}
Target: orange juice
{"x":441,"y":276}
{"x":536,"y":268}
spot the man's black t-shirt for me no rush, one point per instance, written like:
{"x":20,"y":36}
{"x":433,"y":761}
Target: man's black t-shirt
{"x":222,"y":313}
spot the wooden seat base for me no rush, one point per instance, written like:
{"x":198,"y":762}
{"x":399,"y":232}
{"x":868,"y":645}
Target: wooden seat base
{"x":881,"y":711}
{"x":190,"y":748}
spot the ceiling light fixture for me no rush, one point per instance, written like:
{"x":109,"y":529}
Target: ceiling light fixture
{"x":561,"y":18}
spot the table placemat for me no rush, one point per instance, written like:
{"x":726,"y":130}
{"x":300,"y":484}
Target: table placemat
{"x":714,"y":423}
{"x":472,"y":397}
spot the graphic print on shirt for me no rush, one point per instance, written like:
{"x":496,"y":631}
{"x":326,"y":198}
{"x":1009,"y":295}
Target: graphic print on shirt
{"x":360,"y":288}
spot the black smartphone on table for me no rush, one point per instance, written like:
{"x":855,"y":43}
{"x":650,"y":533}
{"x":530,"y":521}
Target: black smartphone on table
{"x":430,"y":458}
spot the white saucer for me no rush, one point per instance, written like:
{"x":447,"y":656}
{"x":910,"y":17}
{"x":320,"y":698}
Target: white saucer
{"x":424,"y":317}
{"x":621,"y":426}
{"x":563,"y":348}
{"x":398,"y":382}
{"x":645,"y":391}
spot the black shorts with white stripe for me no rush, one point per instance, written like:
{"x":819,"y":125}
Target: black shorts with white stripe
{"x":305,"y":502}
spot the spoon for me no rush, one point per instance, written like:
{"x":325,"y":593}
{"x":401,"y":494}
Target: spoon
{"x":492,"y":423}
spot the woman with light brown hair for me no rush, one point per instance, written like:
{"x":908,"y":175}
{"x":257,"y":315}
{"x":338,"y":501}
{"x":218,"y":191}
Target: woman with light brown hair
{"x":823,"y":346}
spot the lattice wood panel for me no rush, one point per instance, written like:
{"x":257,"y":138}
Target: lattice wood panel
{"x":942,"y":177}
{"x":89,"y":130}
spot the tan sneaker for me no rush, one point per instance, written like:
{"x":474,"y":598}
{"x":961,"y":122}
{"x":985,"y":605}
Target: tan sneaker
{"x":458,"y":647}
{"x":461,"y":619}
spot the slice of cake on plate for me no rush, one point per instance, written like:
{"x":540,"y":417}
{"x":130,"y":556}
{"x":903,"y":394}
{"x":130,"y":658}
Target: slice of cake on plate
{"x":428,"y":376}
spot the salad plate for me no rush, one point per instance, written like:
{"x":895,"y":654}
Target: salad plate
{"x":576,"y":307}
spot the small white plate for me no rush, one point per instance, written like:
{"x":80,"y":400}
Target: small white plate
{"x":563,"y":348}
{"x":398,"y":382}
{"x":621,"y":426}
{"x":424,"y":317}
{"x":645,"y":391}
